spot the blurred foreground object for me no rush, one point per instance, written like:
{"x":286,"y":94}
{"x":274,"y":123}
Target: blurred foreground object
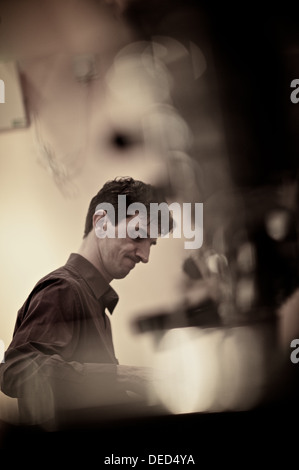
{"x":220,"y":347}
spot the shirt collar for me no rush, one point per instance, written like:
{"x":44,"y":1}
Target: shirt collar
{"x":94,"y":279}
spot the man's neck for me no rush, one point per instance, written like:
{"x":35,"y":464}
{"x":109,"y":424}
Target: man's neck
{"x":90,"y":252}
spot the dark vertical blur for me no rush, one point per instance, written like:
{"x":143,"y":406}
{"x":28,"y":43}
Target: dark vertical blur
{"x":246,"y":143}
{"x":256,"y":54}
{"x":256,"y":57}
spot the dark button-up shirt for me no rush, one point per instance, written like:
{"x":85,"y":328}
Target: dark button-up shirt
{"x":62,"y":351}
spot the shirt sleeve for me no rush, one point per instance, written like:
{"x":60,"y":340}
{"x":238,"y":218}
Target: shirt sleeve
{"x":38,"y":364}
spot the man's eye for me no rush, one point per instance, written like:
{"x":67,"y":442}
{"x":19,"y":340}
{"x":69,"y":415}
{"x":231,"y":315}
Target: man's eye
{"x":139,"y":238}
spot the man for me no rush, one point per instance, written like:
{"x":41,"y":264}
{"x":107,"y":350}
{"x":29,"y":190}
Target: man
{"x":61,"y":356}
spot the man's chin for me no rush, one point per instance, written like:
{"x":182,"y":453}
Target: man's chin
{"x":122,"y":274}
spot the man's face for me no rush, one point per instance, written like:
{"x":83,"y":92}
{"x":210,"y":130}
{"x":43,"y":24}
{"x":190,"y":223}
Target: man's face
{"x":120,"y":255}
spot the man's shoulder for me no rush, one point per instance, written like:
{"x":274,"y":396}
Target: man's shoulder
{"x":59,"y":279}
{"x":58,"y":288}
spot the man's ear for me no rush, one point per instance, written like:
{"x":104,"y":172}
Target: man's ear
{"x":100,"y":222}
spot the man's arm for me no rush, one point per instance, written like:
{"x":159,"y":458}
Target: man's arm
{"x":39,"y":366}
{"x":40,"y":358}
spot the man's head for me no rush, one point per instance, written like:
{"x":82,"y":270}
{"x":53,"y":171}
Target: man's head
{"x":134,"y":190}
{"x":115,"y":256}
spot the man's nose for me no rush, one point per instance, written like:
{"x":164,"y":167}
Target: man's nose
{"x":143,"y":251}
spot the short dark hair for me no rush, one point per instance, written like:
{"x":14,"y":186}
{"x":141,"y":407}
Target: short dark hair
{"x":134,"y":190}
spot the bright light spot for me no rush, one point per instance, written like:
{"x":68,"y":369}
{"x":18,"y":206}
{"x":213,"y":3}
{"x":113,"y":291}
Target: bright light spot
{"x":277,"y":224}
{"x":216,"y":263}
{"x":139,"y":80}
{"x":188,"y":357}
{"x":243,"y":375}
{"x":169,"y":49}
{"x":210,"y":370}
{"x":246,"y":257}
{"x":245,"y":294}
{"x":165,"y":128}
